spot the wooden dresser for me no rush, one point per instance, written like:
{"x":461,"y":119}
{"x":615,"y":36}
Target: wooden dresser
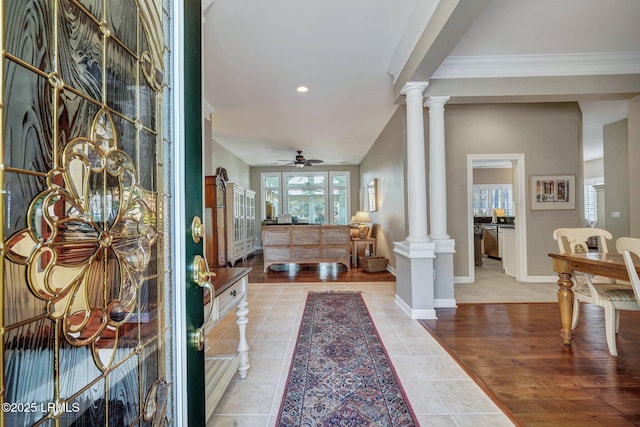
{"x":306,"y":244}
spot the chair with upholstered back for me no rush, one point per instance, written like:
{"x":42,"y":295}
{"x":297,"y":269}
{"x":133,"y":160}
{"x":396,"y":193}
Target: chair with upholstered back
{"x":574,"y":241}
{"x":608,"y":294}
{"x":628,"y":246}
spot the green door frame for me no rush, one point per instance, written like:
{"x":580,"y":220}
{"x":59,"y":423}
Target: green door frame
{"x":187,"y":204}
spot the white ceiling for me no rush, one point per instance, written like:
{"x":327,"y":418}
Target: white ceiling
{"x":348,"y":53}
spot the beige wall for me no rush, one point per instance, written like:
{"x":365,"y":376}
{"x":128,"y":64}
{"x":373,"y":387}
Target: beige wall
{"x":492,"y":176}
{"x":547,"y":134}
{"x":385,"y":161}
{"x":594,"y":168}
{"x":616,"y":178}
{"x":237,"y":170}
{"x":634,"y":170}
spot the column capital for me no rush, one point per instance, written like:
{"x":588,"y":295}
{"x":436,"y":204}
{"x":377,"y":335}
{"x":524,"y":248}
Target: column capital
{"x":414,"y":86}
{"x":436,"y":101}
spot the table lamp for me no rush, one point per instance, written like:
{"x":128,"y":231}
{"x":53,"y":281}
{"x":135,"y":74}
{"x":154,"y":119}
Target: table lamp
{"x":361,"y":218}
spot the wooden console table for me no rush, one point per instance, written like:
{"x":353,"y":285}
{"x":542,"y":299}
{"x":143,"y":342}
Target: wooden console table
{"x":595,"y":263}
{"x":230,"y":285}
{"x":306,"y":244}
{"x":363,"y":242}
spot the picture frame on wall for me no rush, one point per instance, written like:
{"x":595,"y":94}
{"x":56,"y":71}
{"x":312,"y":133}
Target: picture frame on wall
{"x":552,"y":192}
{"x":372,"y":195}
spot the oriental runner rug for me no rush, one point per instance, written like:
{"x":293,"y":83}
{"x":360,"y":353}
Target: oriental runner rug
{"x":340,"y":374}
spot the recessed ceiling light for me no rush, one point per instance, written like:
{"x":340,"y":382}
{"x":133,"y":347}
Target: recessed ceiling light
{"x":302,"y":89}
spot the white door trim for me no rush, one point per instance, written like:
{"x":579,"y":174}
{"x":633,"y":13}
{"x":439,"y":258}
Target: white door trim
{"x":520,"y":207}
{"x":178,"y":200}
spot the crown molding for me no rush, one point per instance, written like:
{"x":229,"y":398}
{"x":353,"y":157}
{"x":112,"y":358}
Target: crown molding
{"x":583,"y":64}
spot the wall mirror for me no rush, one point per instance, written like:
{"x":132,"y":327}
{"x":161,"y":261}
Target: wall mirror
{"x":372,"y":195}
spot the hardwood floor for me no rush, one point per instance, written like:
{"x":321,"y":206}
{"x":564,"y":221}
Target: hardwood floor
{"x":324,"y":272}
{"x":516,"y":354}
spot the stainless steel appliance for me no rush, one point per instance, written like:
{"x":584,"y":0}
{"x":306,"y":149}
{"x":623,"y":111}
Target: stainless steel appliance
{"x":490,"y":237}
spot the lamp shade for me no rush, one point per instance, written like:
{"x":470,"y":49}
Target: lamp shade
{"x":362,"y":216}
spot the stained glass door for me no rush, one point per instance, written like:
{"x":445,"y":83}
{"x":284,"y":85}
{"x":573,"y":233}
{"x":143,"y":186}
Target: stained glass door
{"x":85,"y":214}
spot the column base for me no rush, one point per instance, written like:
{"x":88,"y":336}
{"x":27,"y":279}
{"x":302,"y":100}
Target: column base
{"x":443,"y":280}
{"x":414,"y":279}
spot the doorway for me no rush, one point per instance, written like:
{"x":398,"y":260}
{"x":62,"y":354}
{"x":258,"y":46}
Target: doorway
{"x":517,"y":253}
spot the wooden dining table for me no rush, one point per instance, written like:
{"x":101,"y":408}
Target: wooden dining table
{"x":595,"y":263}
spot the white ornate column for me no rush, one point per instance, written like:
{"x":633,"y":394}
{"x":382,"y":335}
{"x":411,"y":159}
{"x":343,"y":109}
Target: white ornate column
{"x":415,"y":255}
{"x":437,"y":168}
{"x":416,"y":169}
{"x":444,"y":245}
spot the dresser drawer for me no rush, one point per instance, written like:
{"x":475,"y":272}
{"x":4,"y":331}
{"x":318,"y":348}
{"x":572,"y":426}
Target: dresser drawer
{"x":230,"y":297}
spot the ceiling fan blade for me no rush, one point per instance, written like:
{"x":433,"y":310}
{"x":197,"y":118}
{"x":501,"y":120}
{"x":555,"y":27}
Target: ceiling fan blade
{"x":314,"y":161}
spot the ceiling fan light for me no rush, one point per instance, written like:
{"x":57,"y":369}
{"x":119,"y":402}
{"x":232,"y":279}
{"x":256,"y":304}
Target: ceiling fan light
{"x":299,"y":165}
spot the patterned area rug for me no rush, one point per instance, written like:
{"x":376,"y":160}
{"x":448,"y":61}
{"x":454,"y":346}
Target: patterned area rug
{"x":340,"y":374}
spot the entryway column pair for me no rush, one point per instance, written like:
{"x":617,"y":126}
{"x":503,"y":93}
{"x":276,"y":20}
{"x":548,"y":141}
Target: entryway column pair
{"x":424,"y":264}
{"x":415,"y":255}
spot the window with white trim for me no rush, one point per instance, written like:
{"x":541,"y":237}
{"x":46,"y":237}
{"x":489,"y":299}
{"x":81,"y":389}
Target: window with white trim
{"x":271,"y":195}
{"x":309,"y":197}
{"x":487,"y":197}
{"x":591,"y":200}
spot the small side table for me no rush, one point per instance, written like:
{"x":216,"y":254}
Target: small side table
{"x":366,"y":242}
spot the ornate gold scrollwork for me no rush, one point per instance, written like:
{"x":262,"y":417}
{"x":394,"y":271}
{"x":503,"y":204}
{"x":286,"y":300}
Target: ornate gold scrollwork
{"x":152,"y":62}
{"x":88,"y":241}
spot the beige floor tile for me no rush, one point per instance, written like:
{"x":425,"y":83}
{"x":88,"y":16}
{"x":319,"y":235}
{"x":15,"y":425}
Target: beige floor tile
{"x":239,"y":421}
{"x":423,"y":399}
{"x":438,"y":421}
{"x":440,"y":368}
{"x":247,"y":398}
{"x":479,"y":420}
{"x":464,"y":397}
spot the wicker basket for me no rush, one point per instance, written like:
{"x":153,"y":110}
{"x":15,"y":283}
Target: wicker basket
{"x":374,"y":264}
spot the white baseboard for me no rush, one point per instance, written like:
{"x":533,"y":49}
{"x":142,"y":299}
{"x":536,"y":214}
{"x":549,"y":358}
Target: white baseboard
{"x":528,"y":279}
{"x":445,"y":303}
{"x":415,"y":314}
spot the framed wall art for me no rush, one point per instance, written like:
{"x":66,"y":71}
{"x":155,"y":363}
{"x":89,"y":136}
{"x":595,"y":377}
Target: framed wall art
{"x":372,"y":195}
{"x":552,"y":192}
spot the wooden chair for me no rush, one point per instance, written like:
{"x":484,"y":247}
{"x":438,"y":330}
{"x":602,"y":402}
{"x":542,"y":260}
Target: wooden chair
{"x":628,"y":246}
{"x":611,"y":296}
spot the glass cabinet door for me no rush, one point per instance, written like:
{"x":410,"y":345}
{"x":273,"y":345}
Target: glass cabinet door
{"x":85,"y":318}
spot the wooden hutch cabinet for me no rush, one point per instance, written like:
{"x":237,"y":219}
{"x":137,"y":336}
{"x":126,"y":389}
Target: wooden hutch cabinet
{"x":230,"y":220}
{"x":215,"y":219}
{"x":241,"y":222}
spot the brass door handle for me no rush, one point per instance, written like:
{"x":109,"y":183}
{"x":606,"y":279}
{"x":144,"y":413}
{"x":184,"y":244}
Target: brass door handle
{"x":202,"y":276}
{"x":197,"y":229}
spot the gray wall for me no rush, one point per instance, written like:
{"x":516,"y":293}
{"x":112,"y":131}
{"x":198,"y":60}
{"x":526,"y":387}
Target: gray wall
{"x":634,"y":170}
{"x":237,"y":170}
{"x":616,"y":178}
{"x":594,"y":168}
{"x":493,"y":176}
{"x":386,"y":161}
{"x":548,"y":134}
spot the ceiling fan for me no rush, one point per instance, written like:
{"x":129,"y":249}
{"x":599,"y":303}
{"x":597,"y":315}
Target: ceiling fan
{"x":301,"y":162}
